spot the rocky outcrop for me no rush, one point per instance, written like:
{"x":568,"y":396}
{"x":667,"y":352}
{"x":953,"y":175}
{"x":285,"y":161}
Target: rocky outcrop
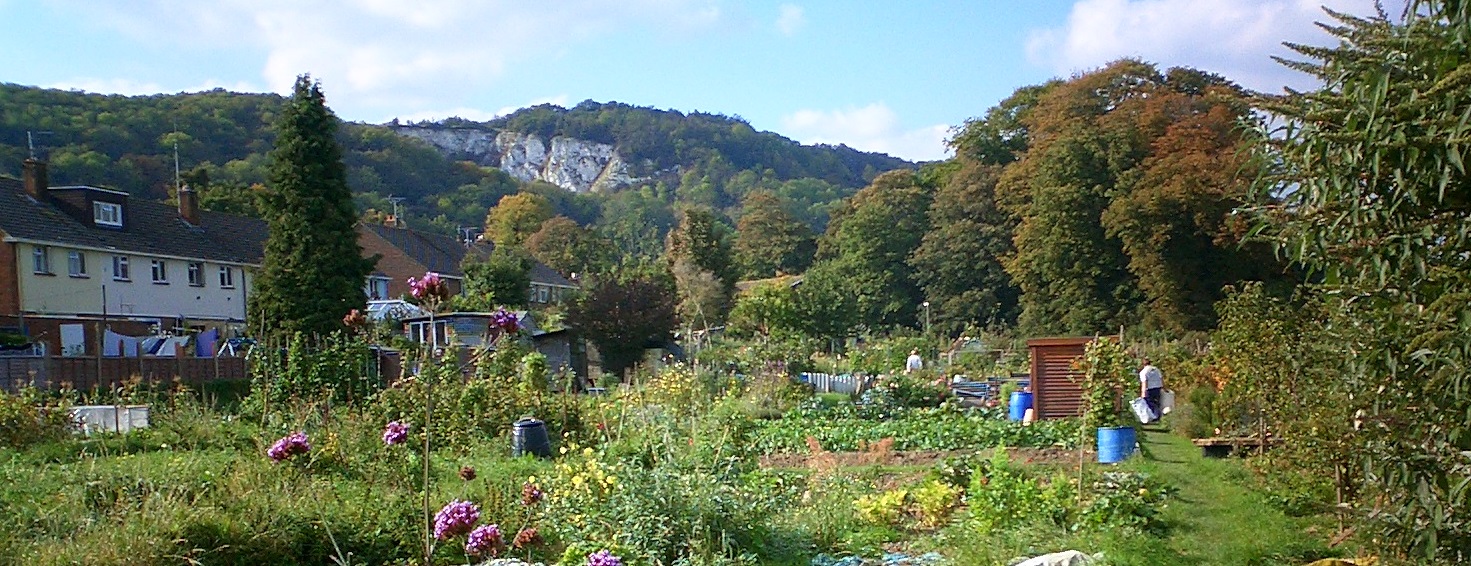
{"x":573,"y":164}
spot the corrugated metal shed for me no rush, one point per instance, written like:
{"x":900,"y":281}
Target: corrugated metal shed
{"x":1056,"y":393}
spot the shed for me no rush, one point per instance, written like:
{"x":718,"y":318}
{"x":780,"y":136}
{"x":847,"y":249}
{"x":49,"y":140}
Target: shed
{"x":1055,"y":388}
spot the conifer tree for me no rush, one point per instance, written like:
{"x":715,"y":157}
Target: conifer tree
{"x":313,"y":270}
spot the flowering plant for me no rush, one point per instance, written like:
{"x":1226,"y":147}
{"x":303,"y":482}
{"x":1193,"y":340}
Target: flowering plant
{"x":355,"y":319}
{"x":485,"y":539}
{"x":505,"y":321}
{"x":455,"y":518}
{"x":429,"y":290}
{"x":288,"y":446}
{"x":604,"y":558}
{"x":395,"y":433}
{"x":530,"y":494}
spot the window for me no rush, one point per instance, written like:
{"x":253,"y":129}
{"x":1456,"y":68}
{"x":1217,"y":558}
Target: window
{"x":196,"y":274}
{"x":120,"y":268}
{"x":107,"y":214}
{"x":541,"y":294}
{"x":41,"y":260}
{"x":377,"y":288}
{"x":160,"y":271}
{"x":76,"y":263}
{"x":227,"y":277}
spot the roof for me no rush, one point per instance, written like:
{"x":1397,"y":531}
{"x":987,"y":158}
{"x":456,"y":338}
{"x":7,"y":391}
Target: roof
{"x":443,"y":254}
{"x":153,"y":228}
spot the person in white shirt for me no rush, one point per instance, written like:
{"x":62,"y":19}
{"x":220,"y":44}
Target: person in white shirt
{"x":1151,"y":384}
{"x":914,"y":363}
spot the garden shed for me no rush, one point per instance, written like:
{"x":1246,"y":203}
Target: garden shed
{"x":1056,"y":392}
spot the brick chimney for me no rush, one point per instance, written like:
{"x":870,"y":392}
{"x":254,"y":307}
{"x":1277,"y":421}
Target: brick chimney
{"x":189,"y":205}
{"x":35,"y":178}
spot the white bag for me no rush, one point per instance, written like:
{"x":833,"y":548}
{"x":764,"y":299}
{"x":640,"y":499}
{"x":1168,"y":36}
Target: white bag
{"x":1166,"y":401}
{"x":1141,"y":410}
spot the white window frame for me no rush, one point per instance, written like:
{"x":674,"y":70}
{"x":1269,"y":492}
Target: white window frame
{"x":376,"y":283}
{"x":227,"y":277}
{"x":107,"y":214}
{"x":41,"y":260}
{"x":120,"y":268}
{"x":76,"y":263}
{"x":196,"y":274}
{"x":160,"y":271}
{"x":542,"y":293}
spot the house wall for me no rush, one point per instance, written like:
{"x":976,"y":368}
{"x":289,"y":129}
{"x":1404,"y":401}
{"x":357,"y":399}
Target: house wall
{"x":62,"y":294}
{"x":396,"y":265}
{"x":9,"y":284}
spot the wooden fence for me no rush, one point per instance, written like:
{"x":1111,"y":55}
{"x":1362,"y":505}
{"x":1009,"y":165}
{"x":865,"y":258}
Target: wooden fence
{"x":86,"y":373}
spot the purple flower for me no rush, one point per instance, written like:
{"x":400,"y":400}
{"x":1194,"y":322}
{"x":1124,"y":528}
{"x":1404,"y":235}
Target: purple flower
{"x":505,"y":321}
{"x":431,"y":287}
{"x":288,"y":446}
{"x":603,"y":558}
{"x":484,"y":539}
{"x":395,"y":433}
{"x":455,"y":519}
{"x":530,"y":494}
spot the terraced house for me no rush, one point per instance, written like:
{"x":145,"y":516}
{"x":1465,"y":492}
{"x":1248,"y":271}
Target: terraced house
{"x":81,"y":254}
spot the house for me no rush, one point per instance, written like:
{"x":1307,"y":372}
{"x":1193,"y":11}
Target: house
{"x":471,"y":330}
{"x":405,"y":253}
{"x":76,"y":260}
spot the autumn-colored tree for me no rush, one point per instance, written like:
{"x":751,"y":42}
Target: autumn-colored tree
{"x":569,"y":248}
{"x":771,"y":240}
{"x":516,"y":217}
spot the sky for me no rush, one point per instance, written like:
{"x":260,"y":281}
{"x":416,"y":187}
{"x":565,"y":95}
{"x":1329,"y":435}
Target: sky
{"x":885,"y":76}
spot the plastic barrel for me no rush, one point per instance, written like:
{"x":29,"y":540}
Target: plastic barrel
{"x":1115,"y":444}
{"x":1020,"y":402}
{"x":529,"y":436}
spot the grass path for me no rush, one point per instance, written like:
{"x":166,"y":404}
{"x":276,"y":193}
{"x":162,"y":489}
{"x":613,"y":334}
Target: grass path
{"x":1216,"y":518}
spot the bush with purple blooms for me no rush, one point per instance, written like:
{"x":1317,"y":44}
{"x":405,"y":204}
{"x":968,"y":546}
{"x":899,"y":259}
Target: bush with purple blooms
{"x":604,"y":558}
{"x":455,"y":518}
{"x":395,"y":433}
{"x":505,"y":321}
{"x":484,"y":540}
{"x":288,"y":446}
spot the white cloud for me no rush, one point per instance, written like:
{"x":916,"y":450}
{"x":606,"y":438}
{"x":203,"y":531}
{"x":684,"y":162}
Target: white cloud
{"x":869,"y":128}
{"x":791,"y":20}
{"x":383,"y":56}
{"x":1233,"y":38}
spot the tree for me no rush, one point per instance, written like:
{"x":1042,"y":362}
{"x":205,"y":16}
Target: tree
{"x":500,"y":279}
{"x":869,"y":242}
{"x":769,"y":239}
{"x":959,"y":262}
{"x":623,"y":316}
{"x":516,"y":217}
{"x":697,"y":245}
{"x":768,"y":308}
{"x":1369,"y":188}
{"x":313,"y":271}
{"x":569,"y":248}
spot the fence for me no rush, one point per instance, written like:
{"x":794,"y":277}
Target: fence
{"x":828,"y":383}
{"x":85,"y":373}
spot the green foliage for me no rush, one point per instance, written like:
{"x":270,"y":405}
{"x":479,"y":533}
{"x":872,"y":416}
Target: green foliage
{"x":770,"y":240}
{"x":26,"y":419}
{"x":313,"y":270}
{"x":847,"y":428}
{"x":569,"y":248}
{"x":500,"y":279}
{"x":1107,"y":371}
{"x":885,"y":508}
{"x":869,"y":241}
{"x":336,"y":369}
{"x":959,"y":260}
{"x":516,"y":217}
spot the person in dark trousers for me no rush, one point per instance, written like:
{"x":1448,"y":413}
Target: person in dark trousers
{"x":1151,"y":384}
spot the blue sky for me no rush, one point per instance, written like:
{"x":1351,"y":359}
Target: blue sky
{"x":879,"y":76}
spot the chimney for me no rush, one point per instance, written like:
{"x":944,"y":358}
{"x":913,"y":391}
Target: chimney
{"x":35,"y":178}
{"x":189,"y":205}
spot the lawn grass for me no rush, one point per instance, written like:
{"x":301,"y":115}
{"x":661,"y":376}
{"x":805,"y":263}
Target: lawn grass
{"x":1217,"y":518}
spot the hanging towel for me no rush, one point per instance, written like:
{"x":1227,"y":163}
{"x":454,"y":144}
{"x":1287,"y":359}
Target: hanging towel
{"x":204,"y":344}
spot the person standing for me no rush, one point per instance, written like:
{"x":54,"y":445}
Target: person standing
{"x":1151,"y":384}
{"x":914,"y":363}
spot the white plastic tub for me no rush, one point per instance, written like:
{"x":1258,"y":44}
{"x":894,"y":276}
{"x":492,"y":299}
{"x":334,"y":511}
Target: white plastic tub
{"x":110,"y":418}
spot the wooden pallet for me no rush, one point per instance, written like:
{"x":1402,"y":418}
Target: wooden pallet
{"x":1222,"y":446}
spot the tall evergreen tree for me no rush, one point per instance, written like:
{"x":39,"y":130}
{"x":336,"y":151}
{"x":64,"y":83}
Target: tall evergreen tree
{"x":314,"y":270}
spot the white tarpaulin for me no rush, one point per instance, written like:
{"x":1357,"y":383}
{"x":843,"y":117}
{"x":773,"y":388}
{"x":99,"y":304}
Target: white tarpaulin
{"x":73,"y":340}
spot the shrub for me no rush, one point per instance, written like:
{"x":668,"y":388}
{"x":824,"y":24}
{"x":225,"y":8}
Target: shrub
{"x":884,"y":508}
{"x":26,"y":420}
{"x":934,"y":501}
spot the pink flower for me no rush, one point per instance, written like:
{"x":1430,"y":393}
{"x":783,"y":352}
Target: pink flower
{"x":485,"y":539}
{"x":395,"y":433}
{"x":455,"y":519}
{"x":288,"y":446}
{"x":430,"y":288}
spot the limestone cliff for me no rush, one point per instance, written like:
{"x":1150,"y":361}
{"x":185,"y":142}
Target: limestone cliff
{"x":573,"y":164}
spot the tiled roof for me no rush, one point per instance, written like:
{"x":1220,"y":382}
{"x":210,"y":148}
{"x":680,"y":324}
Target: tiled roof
{"x":152,"y":228}
{"x":443,"y":254}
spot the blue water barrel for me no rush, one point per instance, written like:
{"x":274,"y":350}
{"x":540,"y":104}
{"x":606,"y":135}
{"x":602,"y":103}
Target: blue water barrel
{"x":529,"y":436}
{"x":1115,"y":444}
{"x":1020,"y":402}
